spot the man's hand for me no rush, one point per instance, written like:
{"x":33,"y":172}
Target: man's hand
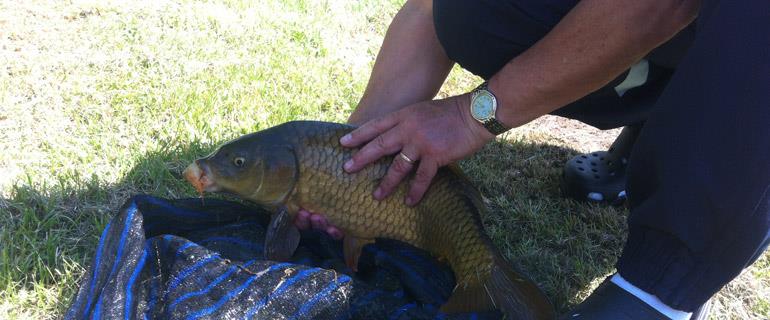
{"x":431,"y":134}
{"x":306,"y":219}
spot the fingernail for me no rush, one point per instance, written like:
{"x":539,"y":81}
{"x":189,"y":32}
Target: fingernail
{"x":345,"y":139}
{"x":348,"y":165}
{"x":378,"y":193}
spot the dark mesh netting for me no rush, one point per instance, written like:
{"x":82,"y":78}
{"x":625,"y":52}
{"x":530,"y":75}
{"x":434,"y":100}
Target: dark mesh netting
{"x":183,"y":259}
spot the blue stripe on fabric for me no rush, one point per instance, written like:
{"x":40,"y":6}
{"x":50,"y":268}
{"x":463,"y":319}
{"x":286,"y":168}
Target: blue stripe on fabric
{"x":325,"y":292}
{"x":173,"y":210}
{"x":184,"y":247}
{"x":211,"y":285}
{"x":186,"y":272}
{"x":234,"y":292}
{"x":153,"y":298}
{"x":238,"y":241}
{"x":130,"y":285}
{"x":126,"y":226}
{"x":96,"y":268}
{"x":278,"y":291}
{"x":474,"y":316}
{"x":402,"y":309}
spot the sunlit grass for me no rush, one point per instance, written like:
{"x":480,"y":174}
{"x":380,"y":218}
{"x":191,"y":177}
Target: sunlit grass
{"x":102,"y":100}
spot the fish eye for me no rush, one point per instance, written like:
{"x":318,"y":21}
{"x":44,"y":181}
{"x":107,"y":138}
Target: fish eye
{"x":239,"y":161}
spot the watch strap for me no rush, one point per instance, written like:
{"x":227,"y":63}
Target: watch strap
{"x":483,"y":86}
{"x":494,"y":126}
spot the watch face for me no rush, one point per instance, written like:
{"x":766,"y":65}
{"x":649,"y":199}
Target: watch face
{"x":483,"y":106}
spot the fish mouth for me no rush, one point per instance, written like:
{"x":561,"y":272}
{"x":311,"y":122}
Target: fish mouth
{"x":199,"y":175}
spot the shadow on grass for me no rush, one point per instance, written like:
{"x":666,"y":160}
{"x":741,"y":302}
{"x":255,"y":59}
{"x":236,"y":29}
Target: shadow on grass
{"x":49,"y":233}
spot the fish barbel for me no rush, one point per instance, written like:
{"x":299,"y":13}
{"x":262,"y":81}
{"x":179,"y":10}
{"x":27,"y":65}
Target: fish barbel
{"x":299,"y":165}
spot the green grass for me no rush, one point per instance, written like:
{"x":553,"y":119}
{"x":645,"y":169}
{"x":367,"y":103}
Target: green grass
{"x":103,"y":100}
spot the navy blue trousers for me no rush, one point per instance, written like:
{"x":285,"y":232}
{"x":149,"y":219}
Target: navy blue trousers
{"x":699,"y":174}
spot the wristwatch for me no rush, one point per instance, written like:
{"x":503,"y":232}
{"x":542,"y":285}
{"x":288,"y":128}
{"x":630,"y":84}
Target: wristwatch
{"x":483,"y":108}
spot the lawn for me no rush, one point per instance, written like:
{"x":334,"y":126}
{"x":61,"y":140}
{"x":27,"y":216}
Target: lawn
{"x":101,"y":100}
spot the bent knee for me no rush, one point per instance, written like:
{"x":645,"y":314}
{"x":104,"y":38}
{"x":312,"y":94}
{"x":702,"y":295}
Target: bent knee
{"x":482,"y":36}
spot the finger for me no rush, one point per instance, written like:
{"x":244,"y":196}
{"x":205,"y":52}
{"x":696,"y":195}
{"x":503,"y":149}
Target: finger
{"x":302,"y":221}
{"x":368,"y":131}
{"x":396,"y":173}
{"x":382,"y":145}
{"x":421,"y":182}
{"x":335,"y":233}
{"x":319,"y":222}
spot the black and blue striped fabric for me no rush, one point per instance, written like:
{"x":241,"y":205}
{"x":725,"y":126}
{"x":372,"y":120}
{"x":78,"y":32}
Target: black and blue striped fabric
{"x":183,"y":259}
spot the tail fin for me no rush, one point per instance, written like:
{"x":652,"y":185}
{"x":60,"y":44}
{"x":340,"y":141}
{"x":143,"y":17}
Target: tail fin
{"x":505,"y":290}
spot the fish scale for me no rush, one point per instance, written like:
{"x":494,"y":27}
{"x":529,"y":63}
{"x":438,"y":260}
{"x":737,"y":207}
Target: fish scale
{"x":440,"y":209}
{"x":300,"y":165}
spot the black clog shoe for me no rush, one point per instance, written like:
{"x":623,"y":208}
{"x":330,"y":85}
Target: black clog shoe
{"x":601,"y":176}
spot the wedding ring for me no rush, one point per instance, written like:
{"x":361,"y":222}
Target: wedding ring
{"x":403,"y":156}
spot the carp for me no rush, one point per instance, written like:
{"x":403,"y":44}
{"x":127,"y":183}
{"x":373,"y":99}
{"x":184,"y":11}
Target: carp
{"x":299,"y":165}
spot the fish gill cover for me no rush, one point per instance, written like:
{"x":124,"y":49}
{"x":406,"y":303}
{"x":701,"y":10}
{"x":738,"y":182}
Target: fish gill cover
{"x":183,"y":259}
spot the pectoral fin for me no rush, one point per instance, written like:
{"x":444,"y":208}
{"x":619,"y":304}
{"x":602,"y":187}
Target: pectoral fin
{"x":351,"y":247}
{"x":282,"y":237}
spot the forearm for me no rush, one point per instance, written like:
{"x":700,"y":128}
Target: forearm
{"x":410,"y":67}
{"x":593,"y":44}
